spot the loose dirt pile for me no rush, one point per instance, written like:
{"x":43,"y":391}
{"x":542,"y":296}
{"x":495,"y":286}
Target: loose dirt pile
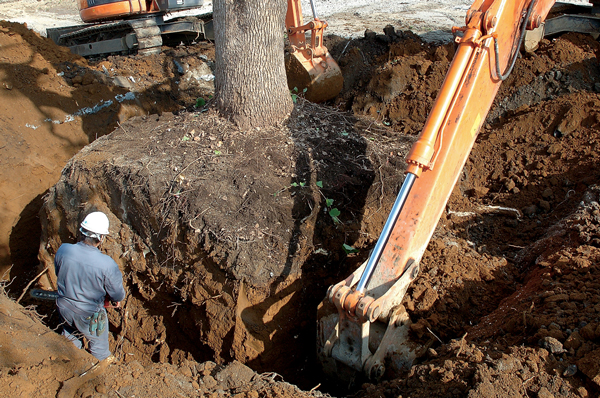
{"x":227,"y":241}
{"x":53,"y":103}
{"x":37,"y":362}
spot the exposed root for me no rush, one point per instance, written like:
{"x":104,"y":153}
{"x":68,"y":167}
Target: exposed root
{"x":30,"y":282}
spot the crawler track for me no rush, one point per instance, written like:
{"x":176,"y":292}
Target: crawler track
{"x":143,"y":36}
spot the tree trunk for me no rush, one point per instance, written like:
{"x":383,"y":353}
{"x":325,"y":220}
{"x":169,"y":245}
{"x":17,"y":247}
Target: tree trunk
{"x":250,"y":80}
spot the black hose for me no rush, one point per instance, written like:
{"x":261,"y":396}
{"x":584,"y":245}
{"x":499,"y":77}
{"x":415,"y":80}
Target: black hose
{"x":515,"y":53}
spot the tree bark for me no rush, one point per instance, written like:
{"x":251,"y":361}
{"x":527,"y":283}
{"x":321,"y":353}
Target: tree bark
{"x":250,"y":80}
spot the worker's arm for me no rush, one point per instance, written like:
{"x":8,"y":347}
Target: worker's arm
{"x":108,"y":303}
{"x":57,"y":262}
{"x":113,"y":284}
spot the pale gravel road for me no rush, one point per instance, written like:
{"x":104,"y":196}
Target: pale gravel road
{"x":433,"y":20}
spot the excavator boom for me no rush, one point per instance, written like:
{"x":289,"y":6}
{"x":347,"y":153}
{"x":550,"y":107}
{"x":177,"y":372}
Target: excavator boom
{"x":369,"y":331}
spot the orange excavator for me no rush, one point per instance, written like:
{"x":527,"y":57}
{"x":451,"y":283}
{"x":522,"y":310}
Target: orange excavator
{"x":127,"y":26}
{"x":363,"y":326}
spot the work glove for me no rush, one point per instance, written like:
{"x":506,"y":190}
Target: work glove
{"x":98,"y":323}
{"x":101,"y":323}
{"x":94,"y":323}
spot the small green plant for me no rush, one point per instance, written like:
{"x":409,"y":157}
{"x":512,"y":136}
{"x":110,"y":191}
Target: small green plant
{"x":185,"y":138}
{"x":300,"y":184}
{"x":217,"y":152}
{"x":349,"y":249}
{"x":201,"y":103}
{"x":333,"y":212}
{"x":295,"y":94}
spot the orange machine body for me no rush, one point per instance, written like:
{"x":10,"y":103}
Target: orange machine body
{"x":127,"y":26}
{"x":102,"y":10}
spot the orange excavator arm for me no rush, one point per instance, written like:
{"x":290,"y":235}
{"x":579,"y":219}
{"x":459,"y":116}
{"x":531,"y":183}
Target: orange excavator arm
{"x":370,"y":327}
{"x":309,"y":66}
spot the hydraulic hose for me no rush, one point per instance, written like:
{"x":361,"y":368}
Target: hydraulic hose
{"x":516,"y":46}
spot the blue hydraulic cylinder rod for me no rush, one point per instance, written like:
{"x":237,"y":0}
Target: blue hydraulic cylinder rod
{"x":314,"y":10}
{"x":386,"y":232}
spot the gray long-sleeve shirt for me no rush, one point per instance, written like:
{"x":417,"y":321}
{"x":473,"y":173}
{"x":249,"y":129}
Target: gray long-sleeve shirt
{"x":85,"y":276}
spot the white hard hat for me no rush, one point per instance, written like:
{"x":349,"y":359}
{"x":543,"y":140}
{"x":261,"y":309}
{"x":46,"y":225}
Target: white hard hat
{"x":96,"y":223}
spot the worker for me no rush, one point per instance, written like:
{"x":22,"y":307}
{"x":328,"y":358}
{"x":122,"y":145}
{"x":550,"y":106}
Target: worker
{"x":85,"y":279}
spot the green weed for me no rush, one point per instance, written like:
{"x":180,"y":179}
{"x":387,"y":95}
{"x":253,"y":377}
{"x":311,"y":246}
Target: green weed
{"x":294,"y":93}
{"x":349,"y":249}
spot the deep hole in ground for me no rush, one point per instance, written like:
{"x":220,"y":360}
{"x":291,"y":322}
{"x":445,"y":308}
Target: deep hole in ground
{"x":235,"y":268}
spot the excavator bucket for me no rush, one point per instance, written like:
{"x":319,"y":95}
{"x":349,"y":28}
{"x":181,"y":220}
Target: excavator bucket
{"x":310,"y":68}
{"x":321,"y":77}
{"x":351,"y":352}
{"x":368,"y":344}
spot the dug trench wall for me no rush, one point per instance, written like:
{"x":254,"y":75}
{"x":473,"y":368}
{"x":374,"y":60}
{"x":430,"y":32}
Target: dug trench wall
{"x":226,"y":239}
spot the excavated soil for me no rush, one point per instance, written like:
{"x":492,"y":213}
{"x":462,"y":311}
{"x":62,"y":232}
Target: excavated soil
{"x":228,"y":243}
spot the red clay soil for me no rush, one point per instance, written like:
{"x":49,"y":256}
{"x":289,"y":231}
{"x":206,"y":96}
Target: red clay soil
{"x":507,"y":302}
{"x":53,"y":103}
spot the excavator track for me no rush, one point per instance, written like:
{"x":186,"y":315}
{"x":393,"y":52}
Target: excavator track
{"x":143,"y":35}
{"x":123,"y":37}
{"x":149,"y":36}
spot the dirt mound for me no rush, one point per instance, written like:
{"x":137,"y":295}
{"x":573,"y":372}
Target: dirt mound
{"x":539,"y":340}
{"x":228,"y":240}
{"x":234,"y":227}
{"x":52,"y":103}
